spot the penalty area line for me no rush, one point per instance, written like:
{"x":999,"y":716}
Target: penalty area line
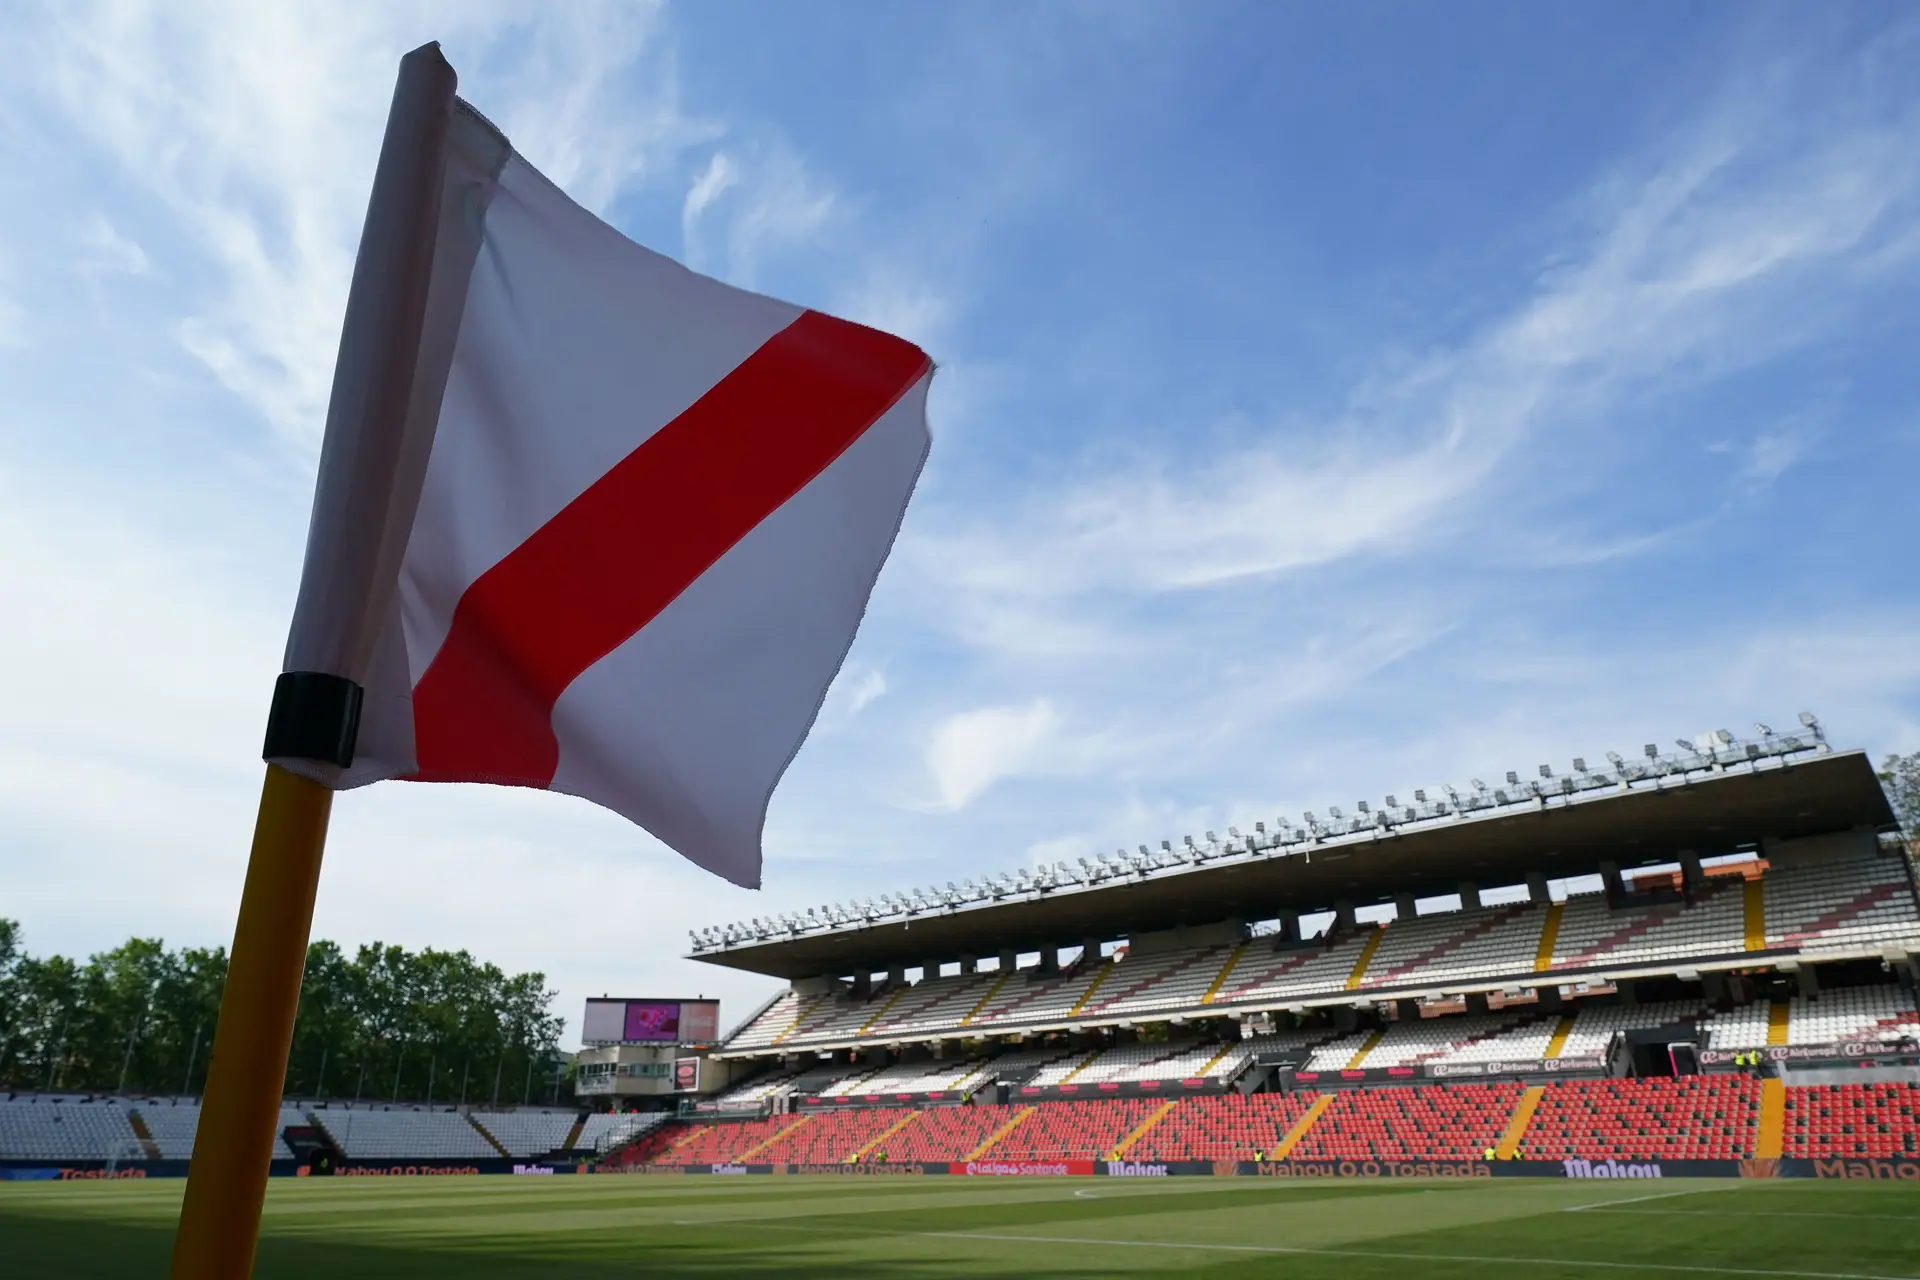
{"x":1660,"y":1195}
{"x":1302,"y":1251}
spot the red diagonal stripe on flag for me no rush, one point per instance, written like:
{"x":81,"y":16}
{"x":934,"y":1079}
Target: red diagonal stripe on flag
{"x":614,"y":557}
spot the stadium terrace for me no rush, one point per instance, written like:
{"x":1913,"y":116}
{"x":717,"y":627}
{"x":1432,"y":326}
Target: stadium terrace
{"x":1583,"y":816}
{"x":1686,"y":867}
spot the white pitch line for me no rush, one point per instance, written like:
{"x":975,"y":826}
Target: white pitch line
{"x":1775,"y":1213}
{"x":1414,"y":1257}
{"x":1663,"y":1195}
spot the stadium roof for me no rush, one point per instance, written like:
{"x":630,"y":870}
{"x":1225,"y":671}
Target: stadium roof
{"x":1708,"y":812}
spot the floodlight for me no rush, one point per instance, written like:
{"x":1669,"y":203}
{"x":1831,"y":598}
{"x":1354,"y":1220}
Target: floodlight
{"x":1809,"y":720}
{"x":1392,"y":803}
{"x":1500,"y":796}
{"x":1188,"y":841}
{"x":1546,"y":771}
{"x":1579,"y":764}
{"x":1420,"y":797}
{"x":1726,"y":739}
{"x":1613,"y":758}
{"x":1334,"y":810}
{"x":1309,"y":817}
{"x":1686,"y":746}
{"x":1753,"y":751}
{"x":1762,"y":730}
{"x":1451,"y":793}
{"x":1363,"y":807}
{"x":1411,"y":815}
{"x":1653,"y":752}
{"x":1513,"y":779}
{"x":1166,"y":845}
{"x":1261,"y":827}
{"x":1233,"y":833}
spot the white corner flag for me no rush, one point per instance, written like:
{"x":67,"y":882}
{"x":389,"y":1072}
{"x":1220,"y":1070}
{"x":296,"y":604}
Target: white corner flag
{"x":617,"y":537}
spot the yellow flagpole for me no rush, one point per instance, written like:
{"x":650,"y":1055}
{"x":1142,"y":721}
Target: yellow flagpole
{"x":315,"y":716}
{"x":220,"y":1218}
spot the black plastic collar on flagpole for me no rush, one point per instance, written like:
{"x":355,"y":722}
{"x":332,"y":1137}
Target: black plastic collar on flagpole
{"x":314,"y":717}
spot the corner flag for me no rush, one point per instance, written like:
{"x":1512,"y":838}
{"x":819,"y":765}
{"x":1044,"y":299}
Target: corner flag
{"x":585,"y":521}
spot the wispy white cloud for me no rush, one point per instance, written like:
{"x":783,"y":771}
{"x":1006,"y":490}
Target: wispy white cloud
{"x":1736,"y":241}
{"x":254,"y":129}
{"x":104,"y":250}
{"x":971,"y":750}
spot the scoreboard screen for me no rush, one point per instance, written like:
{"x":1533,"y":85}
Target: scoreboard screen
{"x":610,"y":1021}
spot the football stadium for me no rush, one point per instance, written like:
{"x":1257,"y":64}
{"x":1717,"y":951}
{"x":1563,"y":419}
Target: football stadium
{"x":1652,"y":1015}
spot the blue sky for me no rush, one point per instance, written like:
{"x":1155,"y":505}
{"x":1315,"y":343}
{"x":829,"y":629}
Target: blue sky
{"x":1333,"y":401}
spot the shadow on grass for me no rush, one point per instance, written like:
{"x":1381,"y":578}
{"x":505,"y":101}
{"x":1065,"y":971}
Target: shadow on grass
{"x":89,"y":1249}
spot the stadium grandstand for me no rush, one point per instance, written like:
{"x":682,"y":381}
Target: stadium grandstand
{"x":1680,"y":961}
{"x":1703,"y":954}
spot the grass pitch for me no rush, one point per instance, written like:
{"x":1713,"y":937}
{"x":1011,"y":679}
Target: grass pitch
{"x":941,"y":1228}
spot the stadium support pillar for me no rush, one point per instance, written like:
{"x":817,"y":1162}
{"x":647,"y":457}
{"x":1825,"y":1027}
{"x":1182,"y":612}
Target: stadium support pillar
{"x":1008,"y":960}
{"x":1550,"y":999}
{"x":1809,"y":985}
{"x":896,"y":975}
{"x":1477,"y":1003}
{"x":1715,"y":984}
{"x":1408,"y":1008}
{"x":1537,"y":888}
{"x":929,"y":969}
{"x":862,"y":985}
{"x":1343,"y":915}
{"x":969,"y":964}
{"x":1690,"y":874}
{"x":1404,"y":907}
{"x":1610,"y":880}
{"x":1049,"y":960}
{"x":1469,"y":896}
{"x":1089,"y":951}
{"x":1289,"y":926}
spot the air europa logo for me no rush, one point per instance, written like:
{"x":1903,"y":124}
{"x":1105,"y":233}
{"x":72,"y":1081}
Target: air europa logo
{"x":1608,"y":1169}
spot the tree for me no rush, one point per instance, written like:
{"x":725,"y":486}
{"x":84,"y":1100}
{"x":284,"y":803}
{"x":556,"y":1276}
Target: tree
{"x":385,"y":1022}
{"x":1900,"y":775}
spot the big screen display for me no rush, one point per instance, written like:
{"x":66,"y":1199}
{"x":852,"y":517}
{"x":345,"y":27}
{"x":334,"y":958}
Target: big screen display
{"x":610,"y":1021}
{"x":652,"y":1020}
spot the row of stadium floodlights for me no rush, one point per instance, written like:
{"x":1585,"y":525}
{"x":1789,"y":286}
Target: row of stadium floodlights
{"x":1715,"y":752}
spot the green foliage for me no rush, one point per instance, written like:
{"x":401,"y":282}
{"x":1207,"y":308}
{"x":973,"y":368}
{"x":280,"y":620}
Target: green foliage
{"x":383,"y":1023}
{"x":1900,"y":775}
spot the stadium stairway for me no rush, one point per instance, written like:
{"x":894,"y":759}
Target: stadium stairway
{"x":1444,"y":1122}
{"x":1075,"y":1130}
{"x":1222,"y":1127}
{"x":490,"y":1139}
{"x":1367,"y":952}
{"x":876,"y":1143}
{"x":995,"y":1138}
{"x":1141,"y":1130}
{"x":943,"y":1135}
{"x":1226,"y":970}
{"x":1302,"y":1127}
{"x":1373,"y":1042}
{"x":1667,"y":1118}
{"x":143,"y":1135}
{"x":1509,"y":1145}
{"x":1770,"y":1130}
{"x":1549,"y":937}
